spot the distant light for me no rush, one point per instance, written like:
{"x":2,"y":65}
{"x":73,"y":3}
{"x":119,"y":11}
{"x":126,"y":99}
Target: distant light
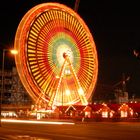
{"x":67,"y":92}
{"x":57,"y":77}
{"x":81,"y":92}
{"x":14,"y":51}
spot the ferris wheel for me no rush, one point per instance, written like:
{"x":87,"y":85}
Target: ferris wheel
{"x":57,"y":58}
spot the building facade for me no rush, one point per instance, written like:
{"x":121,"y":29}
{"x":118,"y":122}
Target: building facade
{"x":13,"y":91}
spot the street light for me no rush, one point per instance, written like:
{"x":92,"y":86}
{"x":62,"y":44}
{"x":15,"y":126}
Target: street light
{"x":14,"y":52}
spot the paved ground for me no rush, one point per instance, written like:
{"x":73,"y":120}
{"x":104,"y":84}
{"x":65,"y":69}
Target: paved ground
{"x":78,"y":131}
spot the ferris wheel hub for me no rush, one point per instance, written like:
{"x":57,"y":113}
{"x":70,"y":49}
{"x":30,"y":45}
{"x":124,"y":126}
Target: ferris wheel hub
{"x":65,"y":55}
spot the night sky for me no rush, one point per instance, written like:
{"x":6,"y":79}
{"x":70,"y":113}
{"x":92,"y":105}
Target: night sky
{"x":115,"y":27}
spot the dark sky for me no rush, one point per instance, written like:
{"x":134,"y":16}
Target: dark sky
{"x":115,"y":27}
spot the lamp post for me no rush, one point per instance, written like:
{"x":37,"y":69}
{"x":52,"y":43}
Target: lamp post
{"x":14,"y":52}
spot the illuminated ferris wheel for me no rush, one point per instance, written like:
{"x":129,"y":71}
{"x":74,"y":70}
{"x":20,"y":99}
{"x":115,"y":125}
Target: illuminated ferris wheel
{"x":57,"y":59}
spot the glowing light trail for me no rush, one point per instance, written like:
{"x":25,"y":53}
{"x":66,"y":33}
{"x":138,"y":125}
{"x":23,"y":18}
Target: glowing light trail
{"x":38,"y":122}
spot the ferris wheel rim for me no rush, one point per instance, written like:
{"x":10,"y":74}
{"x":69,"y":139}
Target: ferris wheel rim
{"x":33,"y":13}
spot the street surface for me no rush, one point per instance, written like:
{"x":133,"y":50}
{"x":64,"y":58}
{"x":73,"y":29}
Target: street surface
{"x":77,"y":131}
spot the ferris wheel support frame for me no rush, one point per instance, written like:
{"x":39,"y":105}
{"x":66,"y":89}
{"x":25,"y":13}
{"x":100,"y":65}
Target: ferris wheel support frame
{"x":78,"y":89}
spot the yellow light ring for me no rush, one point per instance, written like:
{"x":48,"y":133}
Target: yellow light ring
{"x":40,"y":31}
